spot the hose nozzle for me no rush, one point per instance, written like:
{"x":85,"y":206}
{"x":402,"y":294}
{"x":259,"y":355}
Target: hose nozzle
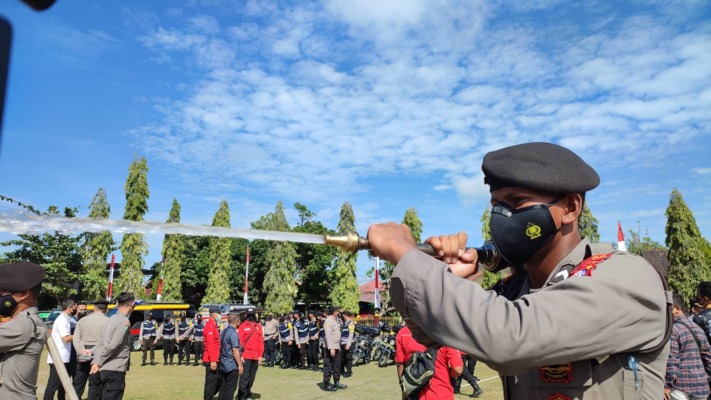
{"x":487,"y":254}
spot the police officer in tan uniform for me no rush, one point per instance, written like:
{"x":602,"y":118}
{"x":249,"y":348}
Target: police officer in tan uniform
{"x":22,"y":332}
{"x":587,"y":322}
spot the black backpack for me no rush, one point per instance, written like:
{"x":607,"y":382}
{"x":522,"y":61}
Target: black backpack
{"x":418,"y":371}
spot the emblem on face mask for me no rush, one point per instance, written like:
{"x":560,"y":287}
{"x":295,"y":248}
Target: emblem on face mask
{"x":533,"y":231}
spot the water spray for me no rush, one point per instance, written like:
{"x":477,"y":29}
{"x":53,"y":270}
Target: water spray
{"x":25,"y":223}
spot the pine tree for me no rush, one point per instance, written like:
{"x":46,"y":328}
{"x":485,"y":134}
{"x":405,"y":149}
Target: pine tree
{"x":173,"y":256}
{"x":95,"y":249}
{"x":133,"y":245}
{"x":687,"y":263}
{"x":218,"y":288}
{"x":279,"y":284}
{"x":588,"y":224}
{"x":345,"y":291}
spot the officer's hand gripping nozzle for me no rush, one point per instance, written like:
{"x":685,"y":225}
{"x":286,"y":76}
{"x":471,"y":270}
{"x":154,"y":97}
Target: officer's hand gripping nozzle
{"x":487,"y":254}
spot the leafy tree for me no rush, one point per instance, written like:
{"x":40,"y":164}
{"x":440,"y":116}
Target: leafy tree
{"x":57,"y":253}
{"x":196,"y":268}
{"x":95,"y":249}
{"x":587,"y":224}
{"x":412,"y":220}
{"x":490,"y":278}
{"x":218,"y":288}
{"x":687,"y":263}
{"x":636,"y":243}
{"x":173,"y":249}
{"x":133,"y":245}
{"x":279,"y":284}
{"x":345,"y":291}
{"x":313,"y":261}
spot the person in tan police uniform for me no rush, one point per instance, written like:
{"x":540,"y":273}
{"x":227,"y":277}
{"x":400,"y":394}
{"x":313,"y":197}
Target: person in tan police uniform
{"x":576,"y":330}
{"x":22,"y":336}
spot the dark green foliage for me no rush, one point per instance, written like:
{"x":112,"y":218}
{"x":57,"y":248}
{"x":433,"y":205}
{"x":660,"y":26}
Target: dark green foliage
{"x":57,"y":253}
{"x":173,"y":253}
{"x":587,"y":224}
{"x":133,"y":245}
{"x":218,"y":287}
{"x":489,"y":278}
{"x":345,"y":290}
{"x":688,"y":264}
{"x":279,"y":283}
{"x":95,"y":250}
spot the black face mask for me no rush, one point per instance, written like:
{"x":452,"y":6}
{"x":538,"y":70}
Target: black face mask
{"x":82,"y":314}
{"x":519,"y":233}
{"x":7,"y":305}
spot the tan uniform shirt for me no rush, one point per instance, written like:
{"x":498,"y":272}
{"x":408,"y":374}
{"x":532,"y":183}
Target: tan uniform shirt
{"x":88,"y":332}
{"x":113,"y":353}
{"x":21,"y":343}
{"x":332,"y":331}
{"x":271,"y":329}
{"x":568,"y":340}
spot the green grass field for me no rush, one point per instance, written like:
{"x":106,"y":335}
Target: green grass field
{"x":180,"y":382}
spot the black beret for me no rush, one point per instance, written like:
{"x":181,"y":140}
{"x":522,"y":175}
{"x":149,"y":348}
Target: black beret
{"x":539,"y":166}
{"x":215,"y":309}
{"x":16,"y":277}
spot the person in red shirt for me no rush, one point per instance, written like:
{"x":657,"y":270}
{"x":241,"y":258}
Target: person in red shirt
{"x":447,"y":364}
{"x":251,"y":338}
{"x":211,"y":354}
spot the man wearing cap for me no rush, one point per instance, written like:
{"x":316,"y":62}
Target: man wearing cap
{"x":167,"y":331}
{"x":113,"y":352}
{"x":588,"y":322}
{"x":148,"y":336}
{"x":86,"y":337}
{"x":23,"y":335}
{"x":196,"y":334}
{"x":332,"y":358}
{"x":313,"y":342}
{"x":286,"y":336}
{"x":271,"y":334}
{"x":301,"y":340}
{"x":211,"y":355}
{"x":347,"y":334}
{"x":183,"y":339}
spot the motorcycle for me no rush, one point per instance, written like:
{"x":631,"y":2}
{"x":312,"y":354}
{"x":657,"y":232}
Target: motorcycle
{"x":365,"y":338}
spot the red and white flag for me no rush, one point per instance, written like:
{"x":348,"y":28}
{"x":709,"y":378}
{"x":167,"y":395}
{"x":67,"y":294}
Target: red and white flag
{"x":246,"y":279}
{"x":111,"y":278}
{"x":377,"y":290}
{"x":621,"y":245}
{"x":159,"y":291}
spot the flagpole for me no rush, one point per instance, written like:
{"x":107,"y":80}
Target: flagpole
{"x":246,"y":279}
{"x":376,"y":319}
{"x":111,"y":278}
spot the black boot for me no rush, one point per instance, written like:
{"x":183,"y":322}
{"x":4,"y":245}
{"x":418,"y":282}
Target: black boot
{"x":477,"y":390}
{"x":328,"y":387}
{"x":339,"y":385}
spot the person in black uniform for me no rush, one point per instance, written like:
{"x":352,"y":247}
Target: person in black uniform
{"x":196,"y":337}
{"x":301,"y":338}
{"x":347,"y":347}
{"x":286,"y":339}
{"x":313,"y":342}
{"x":167,"y":331}
{"x":183,"y":339}
{"x":148,"y":337}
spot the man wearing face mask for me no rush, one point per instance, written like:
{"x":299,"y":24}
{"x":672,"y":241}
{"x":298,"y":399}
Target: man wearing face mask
{"x":587,"y":322}
{"x":22,"y":336}
{"x":62,"y":335}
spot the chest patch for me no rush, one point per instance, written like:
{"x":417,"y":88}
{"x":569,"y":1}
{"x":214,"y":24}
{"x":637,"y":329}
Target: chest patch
{"x":559,"y":396}
{"x":586,"y":267}
{"x":562,"y":373}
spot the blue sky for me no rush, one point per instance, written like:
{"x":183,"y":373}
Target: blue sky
{"x":385,"y":104}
